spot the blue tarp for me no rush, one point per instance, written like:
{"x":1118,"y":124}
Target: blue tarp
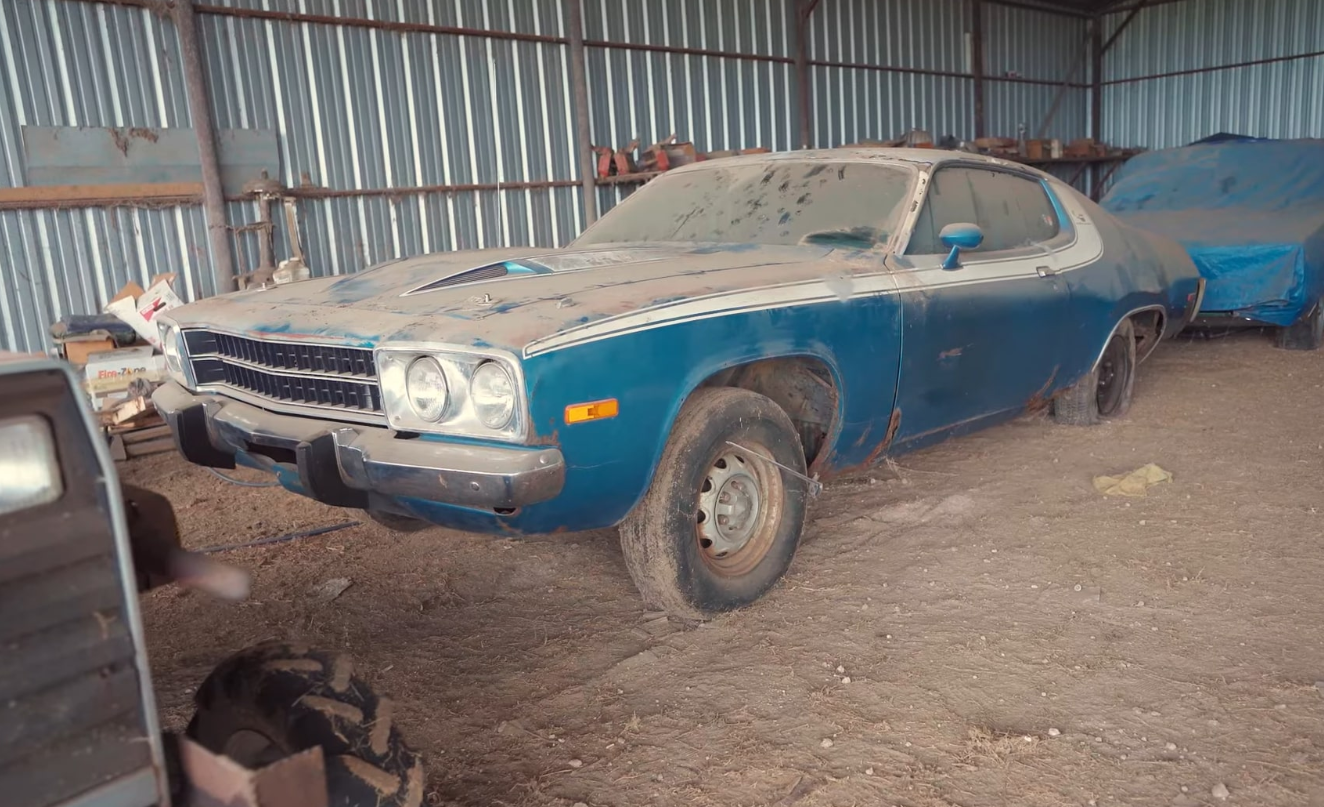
{"x":1249,"y":211}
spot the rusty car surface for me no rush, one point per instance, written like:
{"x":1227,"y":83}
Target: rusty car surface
{"x":862,"y":302}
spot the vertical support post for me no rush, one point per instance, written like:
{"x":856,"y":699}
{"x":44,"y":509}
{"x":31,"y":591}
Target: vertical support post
{"x":1096,"y":91}
{"x":804,"y":9}
{"x":977,"y":59}
{"x":1096,"y":101}
{"x":579,"y":94}
{"x":213,"y":196}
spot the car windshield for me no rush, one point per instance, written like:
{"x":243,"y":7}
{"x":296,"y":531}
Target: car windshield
{"x":851,"y":205}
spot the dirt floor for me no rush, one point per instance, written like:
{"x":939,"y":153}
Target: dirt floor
{"x":977,"y":626}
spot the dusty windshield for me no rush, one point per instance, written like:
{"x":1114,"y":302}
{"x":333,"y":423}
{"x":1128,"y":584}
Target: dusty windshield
{"x":849,"y":205}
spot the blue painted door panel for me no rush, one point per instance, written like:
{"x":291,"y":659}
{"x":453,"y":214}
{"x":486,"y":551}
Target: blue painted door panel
{"x":978,"y":342}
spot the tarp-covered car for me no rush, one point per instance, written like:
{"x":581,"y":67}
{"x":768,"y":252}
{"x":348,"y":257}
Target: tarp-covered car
{"x":693,"y":363}
{"x":1251,"y":214}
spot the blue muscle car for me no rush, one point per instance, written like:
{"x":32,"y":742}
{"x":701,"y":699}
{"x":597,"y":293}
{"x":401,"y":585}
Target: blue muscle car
{"x":693,"y":364}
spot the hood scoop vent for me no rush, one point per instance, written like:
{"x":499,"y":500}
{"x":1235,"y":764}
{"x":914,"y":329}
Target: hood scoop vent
{"x":493,"y":271}
{"x":496,"y":270}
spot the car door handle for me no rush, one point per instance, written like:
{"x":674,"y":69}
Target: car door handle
{"x":1045,"y":271}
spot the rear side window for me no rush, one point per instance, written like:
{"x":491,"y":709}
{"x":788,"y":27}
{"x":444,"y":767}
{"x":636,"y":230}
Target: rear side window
{"x":1013,"y":212}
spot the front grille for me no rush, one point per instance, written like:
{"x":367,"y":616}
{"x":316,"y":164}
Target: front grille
{"x":351,"y":361}
{"x":326,"y":376}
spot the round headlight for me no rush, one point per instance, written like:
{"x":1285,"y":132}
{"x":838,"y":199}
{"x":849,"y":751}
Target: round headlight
{"x":170,"y":346}
{"x":493,"y":395}
{"x":425,"y":384}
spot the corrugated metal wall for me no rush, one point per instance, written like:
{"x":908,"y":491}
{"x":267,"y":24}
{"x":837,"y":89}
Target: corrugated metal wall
{"x":371,"y":113}
{"x":68,"y":64}
{"x":1275,"y":99}
{"x":857,"y":97}
{"x":1044,"y":48}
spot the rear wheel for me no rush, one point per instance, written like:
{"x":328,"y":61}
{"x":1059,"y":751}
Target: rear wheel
{"x":274,"y":700}
{"x":1106,"y":391}
{"x":720,"y":523}
{"x":1307,"y":333}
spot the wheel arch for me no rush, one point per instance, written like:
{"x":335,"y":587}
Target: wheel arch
{"x":805,"y":386}
{"x":753,"y":369}
{"x":1156,"y":316}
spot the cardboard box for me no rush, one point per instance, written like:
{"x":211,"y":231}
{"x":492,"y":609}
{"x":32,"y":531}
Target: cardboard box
{"x":1080,"y":147}
{"x":138,"y":308}
{"x":111,"y":371}
{"x":76,"y":349}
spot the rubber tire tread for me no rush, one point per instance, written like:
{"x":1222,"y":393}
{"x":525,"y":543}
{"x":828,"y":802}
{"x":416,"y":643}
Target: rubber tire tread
{"x":1078,"y":405}
{"x":657,"y":538}
{"x":1307,"y":333}
{"x":267,"y":688}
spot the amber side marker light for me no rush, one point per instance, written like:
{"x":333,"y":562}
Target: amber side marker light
{"x":594,"y":410}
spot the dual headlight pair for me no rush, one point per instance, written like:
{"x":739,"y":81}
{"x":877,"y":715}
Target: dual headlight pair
{"x":456,"y":393}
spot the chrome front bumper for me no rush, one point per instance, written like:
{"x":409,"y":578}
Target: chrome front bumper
{"x":342,"y":463}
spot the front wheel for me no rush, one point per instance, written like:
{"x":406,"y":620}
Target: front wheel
{"x":274,"y":700}
{"x":1307,"y":333}
{"x":721,"y":521}
{"x":1106,"y":391}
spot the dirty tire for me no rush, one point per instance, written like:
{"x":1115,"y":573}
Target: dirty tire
{"x":662,"y":538}
{"x":296,"y":699}
{"x":1307,"y":333}
{"x":1106,"y":391}
{"x":398,"y":523}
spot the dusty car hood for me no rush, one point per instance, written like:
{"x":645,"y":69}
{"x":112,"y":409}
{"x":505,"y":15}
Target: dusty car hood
{"x":550,"y":292}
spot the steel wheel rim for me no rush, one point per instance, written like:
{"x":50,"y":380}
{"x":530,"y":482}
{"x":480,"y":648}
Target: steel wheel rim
{"x":1112,"y":378}
{"x":737,"y":514}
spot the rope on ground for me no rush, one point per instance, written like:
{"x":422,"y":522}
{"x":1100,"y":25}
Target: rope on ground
{"x":241,"y":483}
{"x":277,"y":539}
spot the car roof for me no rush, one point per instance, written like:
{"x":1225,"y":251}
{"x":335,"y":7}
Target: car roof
{"x":918,"y":158}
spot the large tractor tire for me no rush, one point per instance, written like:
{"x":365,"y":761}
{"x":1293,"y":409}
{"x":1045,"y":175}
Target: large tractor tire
{"x":274,"y":700}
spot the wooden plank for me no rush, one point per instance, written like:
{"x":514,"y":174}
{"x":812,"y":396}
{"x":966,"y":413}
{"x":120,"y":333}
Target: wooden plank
{"x":143,"y":435}
{"x":157,"y":446}
{"x":94,"y":195}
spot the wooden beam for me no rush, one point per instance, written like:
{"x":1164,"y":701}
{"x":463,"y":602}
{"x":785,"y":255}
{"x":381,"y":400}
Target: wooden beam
{"x":118,"y":195}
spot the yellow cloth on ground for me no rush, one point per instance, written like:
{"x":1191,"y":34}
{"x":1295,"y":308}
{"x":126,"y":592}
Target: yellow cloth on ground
{"x":1136,"y":483}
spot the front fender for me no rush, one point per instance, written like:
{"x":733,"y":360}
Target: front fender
{"x":652,"y":372}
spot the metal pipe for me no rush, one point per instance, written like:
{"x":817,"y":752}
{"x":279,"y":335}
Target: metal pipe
{"x":977,"y":64}
{"x":579,"y":84}
{"x":1027,"y":5}
{"x":213,"y":195}
{"x":1197,"y":70}
{"x":417,"y":190}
